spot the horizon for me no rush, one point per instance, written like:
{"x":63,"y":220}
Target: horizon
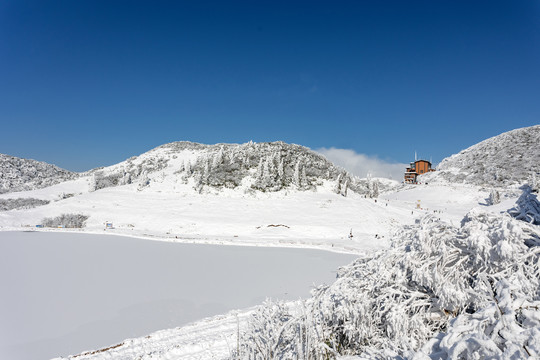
{"x":90,"y":84}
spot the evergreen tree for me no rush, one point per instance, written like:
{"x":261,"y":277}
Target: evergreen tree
{"x":281,"y":172}
{"x":304,"y":180}
{"x":337,"y":187}
{"x":375,"y":188}
{"x":260,"y":170}
{"x":92,"y":183}
{"x":296,"y":177}
{"x":344,"y":188}
{"x":218,"y":159}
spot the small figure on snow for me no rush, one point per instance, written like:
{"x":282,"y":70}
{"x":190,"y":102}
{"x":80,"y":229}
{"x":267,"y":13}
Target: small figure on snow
{"x":350,"y":235}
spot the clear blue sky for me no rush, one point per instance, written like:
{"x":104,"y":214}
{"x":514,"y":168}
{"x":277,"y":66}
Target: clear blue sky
{"x":91,"y":83}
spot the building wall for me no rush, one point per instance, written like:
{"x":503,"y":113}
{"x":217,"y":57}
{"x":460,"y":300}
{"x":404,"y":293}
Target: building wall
{"x":422,"y":166}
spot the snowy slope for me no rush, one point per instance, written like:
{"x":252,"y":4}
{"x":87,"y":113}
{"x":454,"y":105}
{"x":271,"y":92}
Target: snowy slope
{"x":507,"y":159}
{"x":18,"y":174}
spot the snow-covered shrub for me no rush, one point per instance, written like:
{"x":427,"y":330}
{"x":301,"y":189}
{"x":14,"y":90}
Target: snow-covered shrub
{"x":66,"y":220}
{"x":494,"y":197}
{"x":508,"y":327}
{"x":394,"y":302}
{"x":21,"y":203}
{"x":527,"y":207}
{"x":102,"y":181}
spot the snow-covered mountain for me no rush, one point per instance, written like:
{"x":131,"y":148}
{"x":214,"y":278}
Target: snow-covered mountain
{"x":266,"y":167}
{"x":506,"y":159}
{"x":17,"y":174}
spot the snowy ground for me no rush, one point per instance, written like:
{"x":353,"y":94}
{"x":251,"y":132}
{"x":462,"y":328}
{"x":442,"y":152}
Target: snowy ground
{"x":305,"y":219}
{"x":319,"y":219}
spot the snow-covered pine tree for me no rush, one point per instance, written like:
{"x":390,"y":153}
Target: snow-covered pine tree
{"x":337,"y":187}
{"x":206,"y":172}
{"x":260,"y":170}
{"x":218,"y":159}
{"x":92,"y":183}
{"x":345,"y":187}
{"x":375,"y":189}
{"x":281,"y":172}
{"x":266,"y":181}
{"x":304,"y":179}
{"x":297,"y":181}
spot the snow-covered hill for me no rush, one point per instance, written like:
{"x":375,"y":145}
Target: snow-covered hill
{"x":17,"y":174}
{"x":266,"y":167}
{"x":507,"y":159}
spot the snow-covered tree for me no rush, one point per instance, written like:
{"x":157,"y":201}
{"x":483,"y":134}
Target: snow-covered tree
{"x":297,"y":180}
{"x":494,"y":197}
{"x":375,"y":189}
{"x":92,"y":183}
{"x":260,"y":170}
{"x":337,"y":186}
{"x":144,"y":181}
{"x":281,"y":171}
{"x":535,"y":185}
{"x":345,"y":188}
{"x":304,"y":180}
{"x":218,"y":158}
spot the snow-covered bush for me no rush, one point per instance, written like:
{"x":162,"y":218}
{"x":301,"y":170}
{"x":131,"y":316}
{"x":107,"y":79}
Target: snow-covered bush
{"x":494,"y":197}
{"x":527,"y":207}
{"x":65,"y":220}
{"x":21,"y":203}
{"x":414,"y":299}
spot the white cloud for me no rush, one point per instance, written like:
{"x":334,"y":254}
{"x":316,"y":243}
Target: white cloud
{"x":361,"y":164}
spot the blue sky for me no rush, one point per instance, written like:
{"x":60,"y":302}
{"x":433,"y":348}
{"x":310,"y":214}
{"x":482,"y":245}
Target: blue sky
{"x":91,"y":83}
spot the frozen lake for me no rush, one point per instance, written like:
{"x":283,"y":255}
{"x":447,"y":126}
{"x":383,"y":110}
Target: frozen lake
{"x":66,"y":293}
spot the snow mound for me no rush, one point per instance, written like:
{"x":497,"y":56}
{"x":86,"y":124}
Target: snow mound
{"x":18,"y":174}
{"x":439,"y":292}
{"x":507,"y":159}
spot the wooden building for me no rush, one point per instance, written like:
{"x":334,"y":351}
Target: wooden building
{"x":416,"y":168}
